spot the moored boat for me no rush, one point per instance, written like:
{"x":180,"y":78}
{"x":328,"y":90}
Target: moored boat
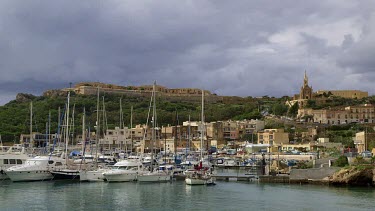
{"x":36,"y":169}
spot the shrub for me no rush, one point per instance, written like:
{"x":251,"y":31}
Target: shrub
{"x":341,"y":161}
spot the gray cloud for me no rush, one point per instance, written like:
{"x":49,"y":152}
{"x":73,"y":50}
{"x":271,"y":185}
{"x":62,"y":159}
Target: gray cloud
{"x":244,"y":48}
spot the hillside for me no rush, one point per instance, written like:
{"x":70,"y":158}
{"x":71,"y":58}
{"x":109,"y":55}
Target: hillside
{"x":15,"y":115}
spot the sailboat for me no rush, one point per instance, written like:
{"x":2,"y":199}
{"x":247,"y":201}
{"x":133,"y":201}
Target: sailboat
{"x":160,"y":174}
{"x":95,"y":174}
{"x":200,"y":175}
{"x":72,"y":171}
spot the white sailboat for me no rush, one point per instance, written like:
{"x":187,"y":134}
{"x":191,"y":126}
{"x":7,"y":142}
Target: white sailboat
{"x":201,"y":176}
{"x":71,"y":171}
{"x":154,"y":175}
{"x":95,"y":174}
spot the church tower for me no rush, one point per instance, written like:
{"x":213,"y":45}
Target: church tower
{"x":306,"y":90}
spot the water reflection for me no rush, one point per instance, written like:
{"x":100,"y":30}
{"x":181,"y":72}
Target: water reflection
{"x":51,"y":195}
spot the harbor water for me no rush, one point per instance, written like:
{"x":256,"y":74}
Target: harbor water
{"x":176,"y":195}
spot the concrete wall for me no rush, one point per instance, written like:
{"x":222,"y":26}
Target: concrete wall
{"x":314,"y":174}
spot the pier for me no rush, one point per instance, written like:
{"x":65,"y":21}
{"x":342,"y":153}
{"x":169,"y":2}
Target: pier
{"x":248,"y":178}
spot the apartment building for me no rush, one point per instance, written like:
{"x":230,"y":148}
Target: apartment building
{"x":273,"y":137}
{"x":351,"y":114}
{"x":116,"y":139}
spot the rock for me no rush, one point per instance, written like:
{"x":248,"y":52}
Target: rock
{"x":55,"y":93}
{"x":24,"y":97}
{"x":353,"y":176}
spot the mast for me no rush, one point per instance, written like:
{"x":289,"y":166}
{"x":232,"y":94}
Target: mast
{"x":175,"y":136}
{"x":83,"y":130}
{"x":153,"y":125}
{"x":105,"y":127}
{"x":202,"y":128}
{"x":49,"y":128}
{"x":188,"y":141}
{"x":97,"y":129}
{"x":67,"y":129}
{"x":31,"y":124}
{"x":131,"y":128}
{"x":72,"y":126}
{"x":120,"y":113}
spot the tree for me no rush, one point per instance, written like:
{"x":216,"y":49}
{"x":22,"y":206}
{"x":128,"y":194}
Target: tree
{"x":279,"y":109}
{"x":341,"y":161}
{"x":293,"y":110}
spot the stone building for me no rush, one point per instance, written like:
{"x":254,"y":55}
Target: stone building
{"x":341,"y":115}
{"x":344,"y":93}
{"x":273,"y":137}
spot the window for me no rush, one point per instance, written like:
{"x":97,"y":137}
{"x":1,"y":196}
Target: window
{"x":6,"y":161}
{"x":50,"y":162}
{"x":19,"y":161}
{"x":12,"y":161}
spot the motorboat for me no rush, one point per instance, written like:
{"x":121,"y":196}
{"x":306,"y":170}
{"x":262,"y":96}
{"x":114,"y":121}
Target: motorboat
{"x":94,"y":175}
{"x":10,"y":158}
{"x":37,"y":168}
{"x":124,"y":171}
{"x":162,"y":174}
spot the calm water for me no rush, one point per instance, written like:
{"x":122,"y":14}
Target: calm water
{"x":60,"y":195}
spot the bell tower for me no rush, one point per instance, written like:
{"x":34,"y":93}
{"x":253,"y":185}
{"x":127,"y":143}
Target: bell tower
{"x":306,"y":90}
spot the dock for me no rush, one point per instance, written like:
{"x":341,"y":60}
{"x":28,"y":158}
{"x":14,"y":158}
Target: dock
{"x":248,"y":178}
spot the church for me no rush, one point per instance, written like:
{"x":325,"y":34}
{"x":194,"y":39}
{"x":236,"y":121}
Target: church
{"x":305,"y":94}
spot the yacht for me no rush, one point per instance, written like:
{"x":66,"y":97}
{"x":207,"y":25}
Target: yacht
{"x":9,"y":158}
{"x":124,"y":171}
{"x":34,"y":169}
{"x":93,"y":175}
{"x":162,"y":174}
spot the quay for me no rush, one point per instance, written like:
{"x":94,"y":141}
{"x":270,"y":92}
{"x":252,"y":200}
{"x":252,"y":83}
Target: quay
{"x":248,"y":178}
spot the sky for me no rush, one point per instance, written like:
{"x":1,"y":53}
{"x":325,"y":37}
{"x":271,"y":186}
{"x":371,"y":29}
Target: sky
{"x":236,"y":48}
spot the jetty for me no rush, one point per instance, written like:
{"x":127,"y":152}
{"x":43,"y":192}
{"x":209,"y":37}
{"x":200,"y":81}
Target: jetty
{"x":248,"y":178}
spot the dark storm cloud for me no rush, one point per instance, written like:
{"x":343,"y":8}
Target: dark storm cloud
{"x":231,"y":48}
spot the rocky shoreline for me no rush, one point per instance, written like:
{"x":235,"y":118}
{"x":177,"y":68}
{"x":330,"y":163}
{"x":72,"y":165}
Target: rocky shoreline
{"x":354,"y":176}
{"x":347,"y":176}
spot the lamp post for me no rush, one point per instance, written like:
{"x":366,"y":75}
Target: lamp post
{"x":269,"y":160}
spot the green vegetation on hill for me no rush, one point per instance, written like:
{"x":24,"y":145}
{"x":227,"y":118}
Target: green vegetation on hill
{"x":15,"y":115}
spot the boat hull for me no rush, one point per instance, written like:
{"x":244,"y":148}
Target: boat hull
{"x":92,"y":176}
{"x":120,"y":176}
{"x":153,"y":178}
{"x":65,"y":175}
{"x":20,"y":176}
{"x":192,"y":181}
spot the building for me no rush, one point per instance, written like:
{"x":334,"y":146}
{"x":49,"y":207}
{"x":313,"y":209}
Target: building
{"x":353,"y":94}
{"x":306,"y":91}
{"x":116,"y":139}
{"x":364,"y":141}
{"x":273,"y":137}
{"x":305,"y":94}
{"x":39,"y":140}
{"x":336,"y":116}
{"x":241,"y":130}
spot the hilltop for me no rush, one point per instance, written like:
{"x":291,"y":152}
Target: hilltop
{"x":15,"y":115}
